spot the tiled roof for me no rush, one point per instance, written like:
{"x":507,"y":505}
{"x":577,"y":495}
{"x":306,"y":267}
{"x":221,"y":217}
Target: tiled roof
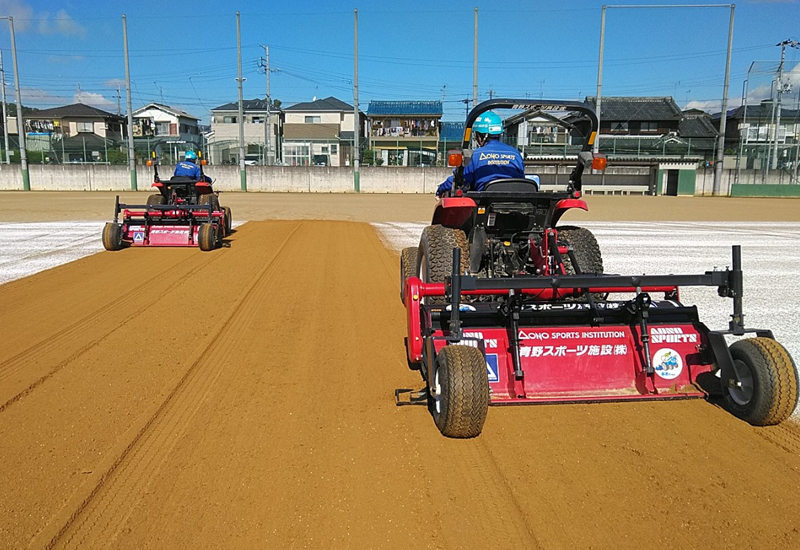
{"x":327,"y":104}
{"x":404,"y":108}
{"x":76,"y":110}
{"x":696,"y":128}
{"x":763,"y":111}
{"x":173,"y":110}
{"x":637,"y":108}
{"x":451,"y":131}
{"x":247,"y":105}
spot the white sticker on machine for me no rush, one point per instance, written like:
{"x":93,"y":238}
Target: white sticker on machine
{"x":667,"y":363}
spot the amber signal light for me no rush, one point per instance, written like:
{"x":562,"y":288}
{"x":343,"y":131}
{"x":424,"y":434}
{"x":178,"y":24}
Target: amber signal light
{"x":599,"y":162}
{"x":454,"y":158}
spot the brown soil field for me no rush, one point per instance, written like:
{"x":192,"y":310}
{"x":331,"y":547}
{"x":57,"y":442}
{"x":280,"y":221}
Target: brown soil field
{"x":20,"y":206}
{"x":244,"y":398}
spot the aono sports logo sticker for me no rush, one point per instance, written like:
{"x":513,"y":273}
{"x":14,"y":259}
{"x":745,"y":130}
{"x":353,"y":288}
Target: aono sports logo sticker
{"x":667,"y":363}
{"x":491,"y":367}
{"x":138,"y":237}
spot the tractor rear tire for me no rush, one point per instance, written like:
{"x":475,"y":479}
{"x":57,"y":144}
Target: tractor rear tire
{"x":435,"y":256}
{"x":156,"y":200}
{"x":112,"y":236}
{"x":207,"y":237}
{"x":409,"y":259}
{"x":461,"y":402}
{"x":587,"y":253}
{"x":769,"y":390}
{"x":228,"y":220}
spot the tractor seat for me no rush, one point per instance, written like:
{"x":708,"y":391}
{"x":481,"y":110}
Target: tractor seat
{"x":512,"y":185}
{"x":181,"y":179}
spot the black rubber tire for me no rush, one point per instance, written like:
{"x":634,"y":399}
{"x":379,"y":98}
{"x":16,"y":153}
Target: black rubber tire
{"x":460,"y":409}
{"x":207,"y":236}
{"x":210,"y":198}
{"x":409,"y":259}
{"x":435,"y":256}
{"x":156,"y":200}
{"x":228,"y":220}
{"x":112,"y":236}
{"x":774,"y":382}
{"x":586,"y":250}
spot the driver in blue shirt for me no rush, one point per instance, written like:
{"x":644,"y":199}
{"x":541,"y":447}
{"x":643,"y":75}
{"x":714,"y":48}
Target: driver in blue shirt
{"x":492,"y":160}
{"x":189,"y":168}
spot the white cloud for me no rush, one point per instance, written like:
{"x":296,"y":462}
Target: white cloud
{"x":95,"y":100}
{"x":20,"y":11}
{"x":62,"y":23}
{"x":114,"y":82}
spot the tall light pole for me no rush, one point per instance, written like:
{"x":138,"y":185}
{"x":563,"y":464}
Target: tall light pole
{"x":723,"y":115}
{"x":131,"y":150}
{"x":356,"y":121}
{"x":242,"y":172}
{"x":23,"y":153}
{"x":475,"y":62}
{"x":5,"y":109}
{"x":781,"y":88}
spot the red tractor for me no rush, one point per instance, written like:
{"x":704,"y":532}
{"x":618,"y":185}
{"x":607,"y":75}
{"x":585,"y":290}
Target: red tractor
{"x":507,"y":306}
{"x":185,"y":212}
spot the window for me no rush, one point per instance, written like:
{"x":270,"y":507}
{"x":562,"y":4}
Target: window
{"x":258,"y":120}
{"x":313,"y":119}
{"x":649,"y":127}
{"x":162,"y":128}
{"x":324,"y":148}
{"x":334,"y":149}
{"x":619,"y":127}
{"x":296,"y":155}
{"x":229,"y":119}
{"x":85,"y":127}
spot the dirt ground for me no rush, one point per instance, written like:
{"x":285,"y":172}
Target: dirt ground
{"x":244,"y":398}
{"x":20,"y":206}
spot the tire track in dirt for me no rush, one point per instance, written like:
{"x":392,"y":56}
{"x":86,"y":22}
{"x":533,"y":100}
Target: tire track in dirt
{"x":92,"y":518}
{"x":92,"y":324}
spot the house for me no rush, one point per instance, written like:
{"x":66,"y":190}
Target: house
{"x":405,"y":133}
{"x":320,"y":132}
{"x":74,"y":133}
{"x":167,"y":130}
{"x":750,"y":131}
{"x":223,"y":140}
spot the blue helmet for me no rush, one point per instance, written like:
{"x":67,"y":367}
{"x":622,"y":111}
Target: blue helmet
{"x":488,"y":123}
{"x":191,"y":155}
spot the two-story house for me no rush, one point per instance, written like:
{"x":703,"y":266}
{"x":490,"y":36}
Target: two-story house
{"x":223,"y":140}
{"x":74,"y":133}
{"x":405,"y":133}
{"x":165,"y":129}
{"x":320,"y":132}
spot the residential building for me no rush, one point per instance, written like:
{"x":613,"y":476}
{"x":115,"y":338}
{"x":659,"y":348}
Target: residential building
{"x":74,"y":133}
{"x":319,"y":132}
{"x":223,"y":140}
{"x":405,"y":133}
{"x":167,"y":130}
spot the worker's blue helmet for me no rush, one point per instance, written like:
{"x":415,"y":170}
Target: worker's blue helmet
{"x":191,"y":155}
{"x":488,"y":123}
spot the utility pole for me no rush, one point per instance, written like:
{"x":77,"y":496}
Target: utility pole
{"x":781,"y":88}
{"x":5,"y":108}
{"x":356,"y":122}
{"x":119,"y":109}
{"x":598,"y":99}
{"x":242,"y":172}
{"x":475,"y":62}
{"x":268,"y":125}
{"x":23,"y":153}
{"x":131,"y":155}
{"x":723,"y":115}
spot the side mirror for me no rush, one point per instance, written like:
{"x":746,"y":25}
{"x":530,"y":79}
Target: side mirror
{"x":585,"y":159}
{"x":467,"y":154}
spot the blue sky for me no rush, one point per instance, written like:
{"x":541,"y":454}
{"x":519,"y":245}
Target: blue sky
{"x":184,"y":53}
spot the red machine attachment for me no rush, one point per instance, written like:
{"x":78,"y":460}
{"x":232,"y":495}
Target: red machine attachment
{"x":533,"y":339}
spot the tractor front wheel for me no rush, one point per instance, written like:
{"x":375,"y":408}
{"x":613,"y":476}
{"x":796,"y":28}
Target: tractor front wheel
{"x":460,"y":391}
{"x":768,"y":389}
{"x":156,"y":200}
{"x":207,"y":237}
{"x":228,"y":220}
{"x":210,"y":198}
{"x":112,"y":236}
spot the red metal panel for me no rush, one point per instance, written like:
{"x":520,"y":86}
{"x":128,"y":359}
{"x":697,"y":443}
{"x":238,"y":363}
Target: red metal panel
{"x":453,"y":211}
{"x":160,"y":235}
{"x":413,"y":297}
{"x":591,"y":363}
